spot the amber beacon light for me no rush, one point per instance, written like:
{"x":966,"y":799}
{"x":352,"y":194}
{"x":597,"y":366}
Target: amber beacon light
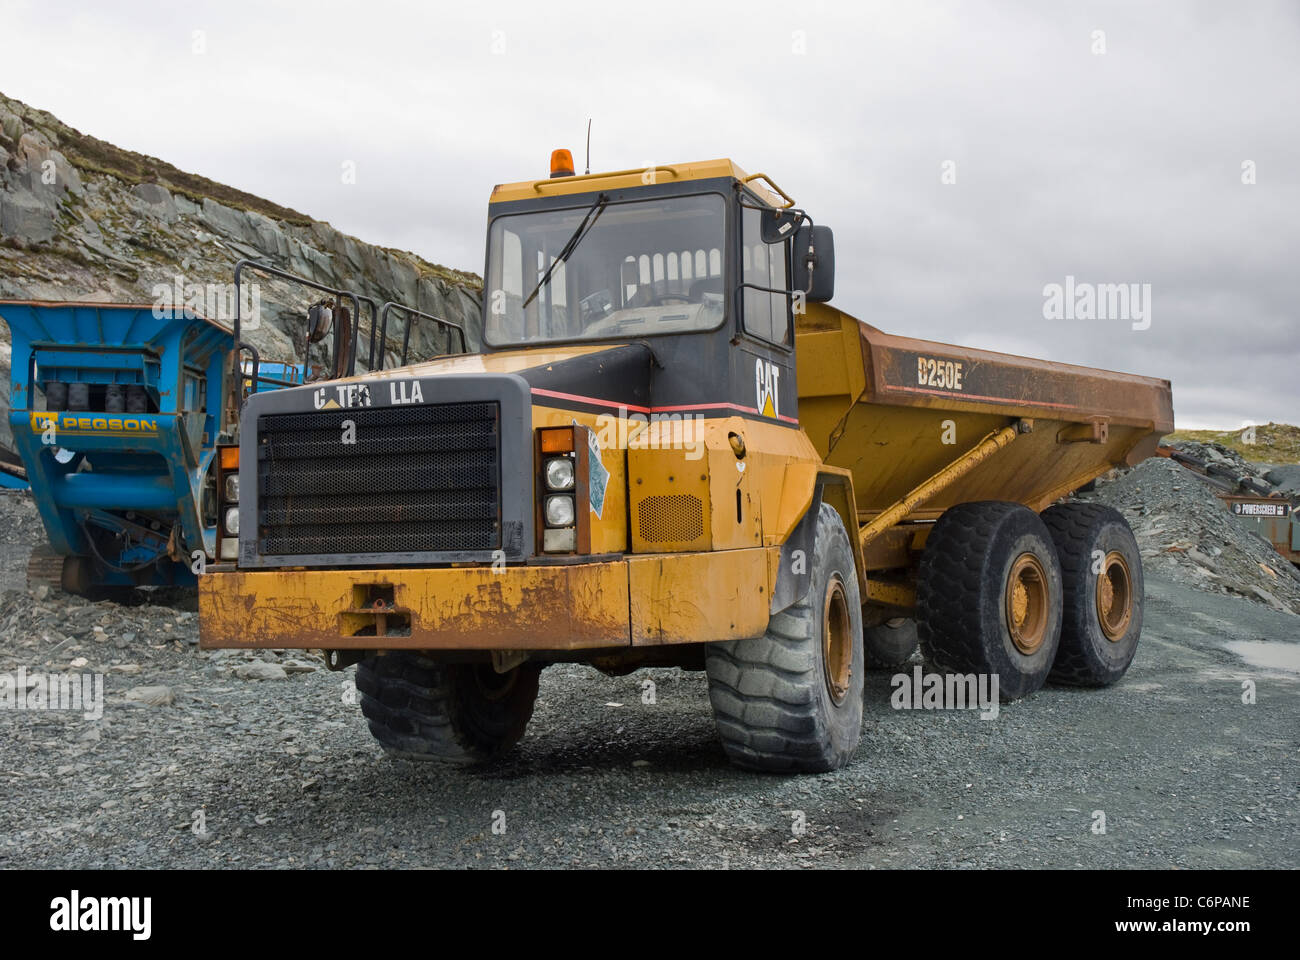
{"x":561,"y":163}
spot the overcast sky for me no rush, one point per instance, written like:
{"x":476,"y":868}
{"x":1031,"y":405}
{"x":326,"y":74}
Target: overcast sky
{"x":1122,"y":166}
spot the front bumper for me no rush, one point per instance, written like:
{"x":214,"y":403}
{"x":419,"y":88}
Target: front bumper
{"x":630,"y":601}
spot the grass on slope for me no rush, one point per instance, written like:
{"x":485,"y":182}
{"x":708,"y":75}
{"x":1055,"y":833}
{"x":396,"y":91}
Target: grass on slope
{"x":1274,"y":442}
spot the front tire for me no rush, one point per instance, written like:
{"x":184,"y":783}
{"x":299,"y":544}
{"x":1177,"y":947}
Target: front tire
{"x":790,"y":701}
{"x":459,"y":713}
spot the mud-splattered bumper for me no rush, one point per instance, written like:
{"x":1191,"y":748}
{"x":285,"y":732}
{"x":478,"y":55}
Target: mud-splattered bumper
{"x":672,"y":598}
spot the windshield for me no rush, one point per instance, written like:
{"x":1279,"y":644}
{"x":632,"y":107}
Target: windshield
{"x":606,"y":270}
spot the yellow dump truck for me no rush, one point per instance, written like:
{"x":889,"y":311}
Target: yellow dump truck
{"x":672,"y":450}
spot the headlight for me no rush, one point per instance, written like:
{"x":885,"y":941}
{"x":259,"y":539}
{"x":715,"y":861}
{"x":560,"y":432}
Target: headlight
{"x":559,"y":474}
{"x":232,"y":521}
{"x":559,"y":511}
{"x":232,"y":488}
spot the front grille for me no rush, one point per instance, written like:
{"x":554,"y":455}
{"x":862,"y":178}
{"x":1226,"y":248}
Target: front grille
{"x":418,"y":479}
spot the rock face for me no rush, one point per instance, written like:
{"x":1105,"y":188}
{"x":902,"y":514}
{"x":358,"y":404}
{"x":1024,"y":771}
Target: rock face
{"x":82,"y":220}
{"x":1286,"y":478}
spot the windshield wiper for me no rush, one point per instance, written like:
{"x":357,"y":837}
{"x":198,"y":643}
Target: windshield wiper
{"x":588,"y":221}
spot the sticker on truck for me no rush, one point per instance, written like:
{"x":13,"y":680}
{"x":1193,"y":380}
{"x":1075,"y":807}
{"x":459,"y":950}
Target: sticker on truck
{"x":404,"y":391}
{"x":767,"y":375}
{"x":346,"y":395}
{"x":937,"y":372}
{"x":598,"y":475}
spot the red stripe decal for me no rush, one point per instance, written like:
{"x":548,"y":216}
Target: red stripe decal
{"x":976,"y":396}
{"x":596,"y":401}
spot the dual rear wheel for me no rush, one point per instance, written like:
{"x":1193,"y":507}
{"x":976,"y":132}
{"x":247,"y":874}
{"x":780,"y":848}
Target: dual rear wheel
{"x":1002,"y":591}
{"x":1102,"y":588}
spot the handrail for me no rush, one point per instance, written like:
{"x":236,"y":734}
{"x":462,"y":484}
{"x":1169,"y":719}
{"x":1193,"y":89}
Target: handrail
{"x":374,"y":325}
{"x":262,"y":378}
{"x":540,"y":184}
{"x":294,"y":278}
{"x":789,"y":200}
{"x":406,"y":336}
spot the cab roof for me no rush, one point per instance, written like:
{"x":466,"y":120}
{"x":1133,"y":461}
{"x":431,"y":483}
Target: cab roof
{"x":623,"y":179}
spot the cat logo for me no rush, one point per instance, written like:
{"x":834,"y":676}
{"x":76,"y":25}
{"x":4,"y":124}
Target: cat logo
{"x":766,"y":377}
{"x":348,"y":395}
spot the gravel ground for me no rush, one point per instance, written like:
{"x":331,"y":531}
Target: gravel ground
{"x":20,"y":530}
{"x":286,"y":775}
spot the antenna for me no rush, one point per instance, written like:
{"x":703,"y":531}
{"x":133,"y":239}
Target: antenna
{"x":588,"y":170}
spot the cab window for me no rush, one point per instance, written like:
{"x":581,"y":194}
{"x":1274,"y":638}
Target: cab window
{"x":607,"y":270}
{"x":766,"y":315}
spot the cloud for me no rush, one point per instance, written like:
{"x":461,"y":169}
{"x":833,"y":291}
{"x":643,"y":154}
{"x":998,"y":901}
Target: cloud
{"x":1122,"y":167}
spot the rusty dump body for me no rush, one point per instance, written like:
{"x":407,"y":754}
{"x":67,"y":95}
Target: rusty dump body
{"x":895,"y":410}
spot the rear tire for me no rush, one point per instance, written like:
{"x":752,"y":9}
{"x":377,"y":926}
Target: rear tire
{"x":790,"y":701}
{"x":989,"y":596}
{"x":1101,"y":567}
{"x":458,"y":713}
{"x":889,"y":644}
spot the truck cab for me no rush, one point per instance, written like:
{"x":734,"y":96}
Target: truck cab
{"x":684,"y":259}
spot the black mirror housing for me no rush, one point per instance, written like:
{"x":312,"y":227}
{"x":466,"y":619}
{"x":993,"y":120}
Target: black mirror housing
{"x":822,"y":241}
{"x":778,"y":225}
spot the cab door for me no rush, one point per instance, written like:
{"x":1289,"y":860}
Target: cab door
{"x":763,"y":369}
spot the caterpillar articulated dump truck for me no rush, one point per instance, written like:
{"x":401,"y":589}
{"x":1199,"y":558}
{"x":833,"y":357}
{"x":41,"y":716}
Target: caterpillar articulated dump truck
{"x":672,"y":450}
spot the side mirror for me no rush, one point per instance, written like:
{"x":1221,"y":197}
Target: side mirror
{"x":320,"y":317}
{"x":821,"y":241}
{"x":777,"y":225}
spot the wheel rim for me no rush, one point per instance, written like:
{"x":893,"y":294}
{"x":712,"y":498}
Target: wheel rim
{"x":1114,"y":596}
{"x":837,"y":645}
{"x":1028,"y":603}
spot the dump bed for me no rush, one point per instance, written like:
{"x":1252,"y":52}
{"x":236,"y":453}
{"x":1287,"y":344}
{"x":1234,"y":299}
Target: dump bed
{"x":895,"y":410}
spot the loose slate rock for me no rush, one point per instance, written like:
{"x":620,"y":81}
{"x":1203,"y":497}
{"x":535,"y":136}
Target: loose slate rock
{"x":155,"y":696}
{"x":260,"y":670}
